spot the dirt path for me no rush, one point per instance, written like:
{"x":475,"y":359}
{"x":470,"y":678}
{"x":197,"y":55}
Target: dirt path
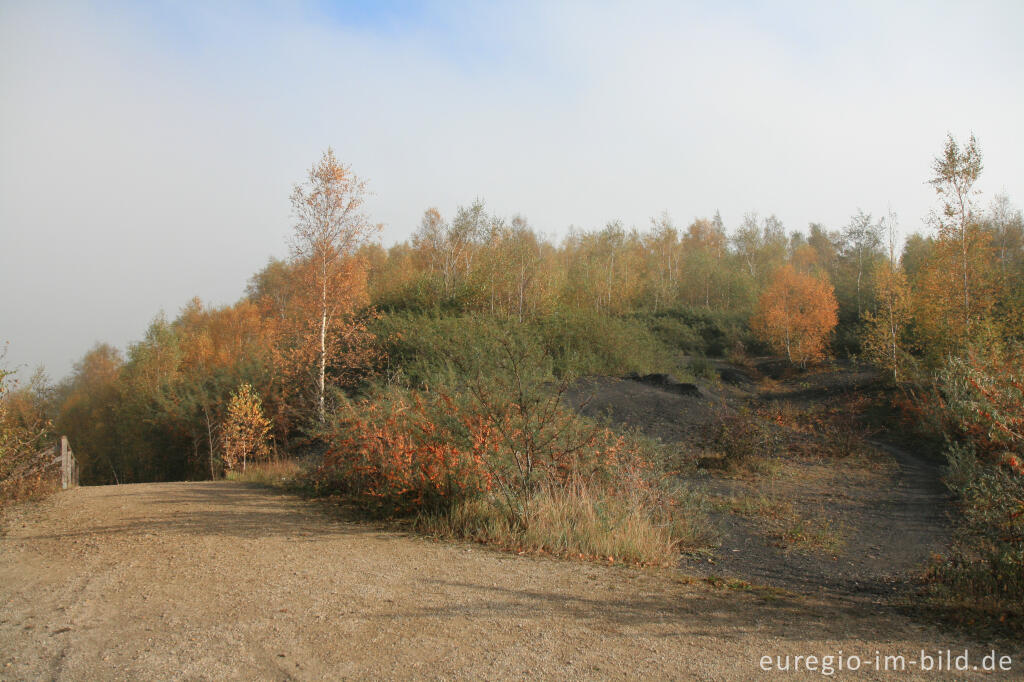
{"x":888,"y":516}
{"x":224,"y":580}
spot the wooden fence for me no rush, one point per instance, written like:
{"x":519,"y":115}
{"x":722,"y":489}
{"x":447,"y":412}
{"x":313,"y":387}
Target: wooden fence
{"x":68,"y":463}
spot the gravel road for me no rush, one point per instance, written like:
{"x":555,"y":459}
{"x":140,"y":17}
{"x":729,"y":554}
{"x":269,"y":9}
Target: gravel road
{"x":229,"y":581}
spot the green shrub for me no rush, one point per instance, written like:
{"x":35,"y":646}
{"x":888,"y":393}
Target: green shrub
{"x":675,"y":333}
{"x":699,"y":330}
{"x":987,"y":560}
{"x":425,"y":350}
{"x":588,"y":343}
{"x":432,"y":349}
{"x":701,"y":367}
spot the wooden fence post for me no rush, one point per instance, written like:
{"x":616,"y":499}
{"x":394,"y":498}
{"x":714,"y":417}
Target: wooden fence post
{"x":68,"y":465}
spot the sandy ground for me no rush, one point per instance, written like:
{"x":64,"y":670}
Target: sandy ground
{"x":227,"y":581}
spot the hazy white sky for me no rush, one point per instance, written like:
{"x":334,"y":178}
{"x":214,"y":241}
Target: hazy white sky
{"x":147,"y":150}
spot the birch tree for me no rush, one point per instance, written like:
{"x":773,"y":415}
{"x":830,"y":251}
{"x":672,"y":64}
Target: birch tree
{"x":862,"y":239}
{"x":329,"y":228}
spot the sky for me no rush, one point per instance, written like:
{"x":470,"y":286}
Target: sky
{"x":148,"y":150}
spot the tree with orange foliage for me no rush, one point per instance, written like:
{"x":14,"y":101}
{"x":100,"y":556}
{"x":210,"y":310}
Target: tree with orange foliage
{"x":245,"y":428}
{"x":795,"y":314}
{"x":218,"y":349}
{"x":330,"y":227}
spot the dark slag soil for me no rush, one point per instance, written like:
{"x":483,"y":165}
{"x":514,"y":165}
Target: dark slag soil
{"x":888,"y":514}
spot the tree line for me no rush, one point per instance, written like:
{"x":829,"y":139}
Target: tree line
{"x":317,"y":327}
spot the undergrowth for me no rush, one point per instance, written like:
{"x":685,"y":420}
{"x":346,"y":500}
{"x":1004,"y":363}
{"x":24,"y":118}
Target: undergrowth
{"x":976,"y":402}
{"x":490,"y":453}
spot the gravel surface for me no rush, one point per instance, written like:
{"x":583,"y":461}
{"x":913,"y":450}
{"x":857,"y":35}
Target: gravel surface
{"x":227,"y":581}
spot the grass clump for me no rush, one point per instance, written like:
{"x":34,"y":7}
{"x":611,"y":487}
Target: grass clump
{"x":758,"y":506}
{"x":701,"y":367}
{"x":27,"y":489}
{"x":582,"y":521}
{"x":284,"y":473}
{"x":820,"y":534}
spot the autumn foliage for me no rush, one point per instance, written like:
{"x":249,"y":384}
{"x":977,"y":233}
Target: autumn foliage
{"x":503,"y":438}
{"x":886,"y":328}
{"x":980,"y":403}
{"x":404,"y":455}
{"x":245,"y":429}
{"x":501,"y":460}
{"x":329,"y":334}
{"x":25,"y":430}
{"x":981,"y":400}
{"x":343,"y":313}
{"x":432,"y":370}
{"x":796,"y":314}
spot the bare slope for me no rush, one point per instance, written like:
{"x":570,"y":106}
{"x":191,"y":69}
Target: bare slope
{"x":887,"y":515}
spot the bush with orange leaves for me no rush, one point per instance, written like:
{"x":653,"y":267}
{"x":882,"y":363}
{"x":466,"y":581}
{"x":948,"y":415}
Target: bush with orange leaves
{"x":982,"y":398}
{"x":26,"y":468}
{"x":504,"y":430}
{"x":404,"y":454}
{"x":409,"y":452}
{"x":545,"y":481}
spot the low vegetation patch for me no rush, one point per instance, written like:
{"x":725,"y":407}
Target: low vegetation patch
{"x":284,"y":473}
{"x":977,"y":403}
{"x":818,"y":534}
{"x":597,"y":522}
{"x":418,"y":346}
{"x":984,"y":570}
{"x":778,"y":516}
{"x":758,"y":505}
{"x":499,"y":459}
{"x":742,"y":442}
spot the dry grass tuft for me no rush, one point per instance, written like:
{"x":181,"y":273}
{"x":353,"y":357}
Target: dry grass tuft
{"x":274,"y":473}
{"x":584,"y":522}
